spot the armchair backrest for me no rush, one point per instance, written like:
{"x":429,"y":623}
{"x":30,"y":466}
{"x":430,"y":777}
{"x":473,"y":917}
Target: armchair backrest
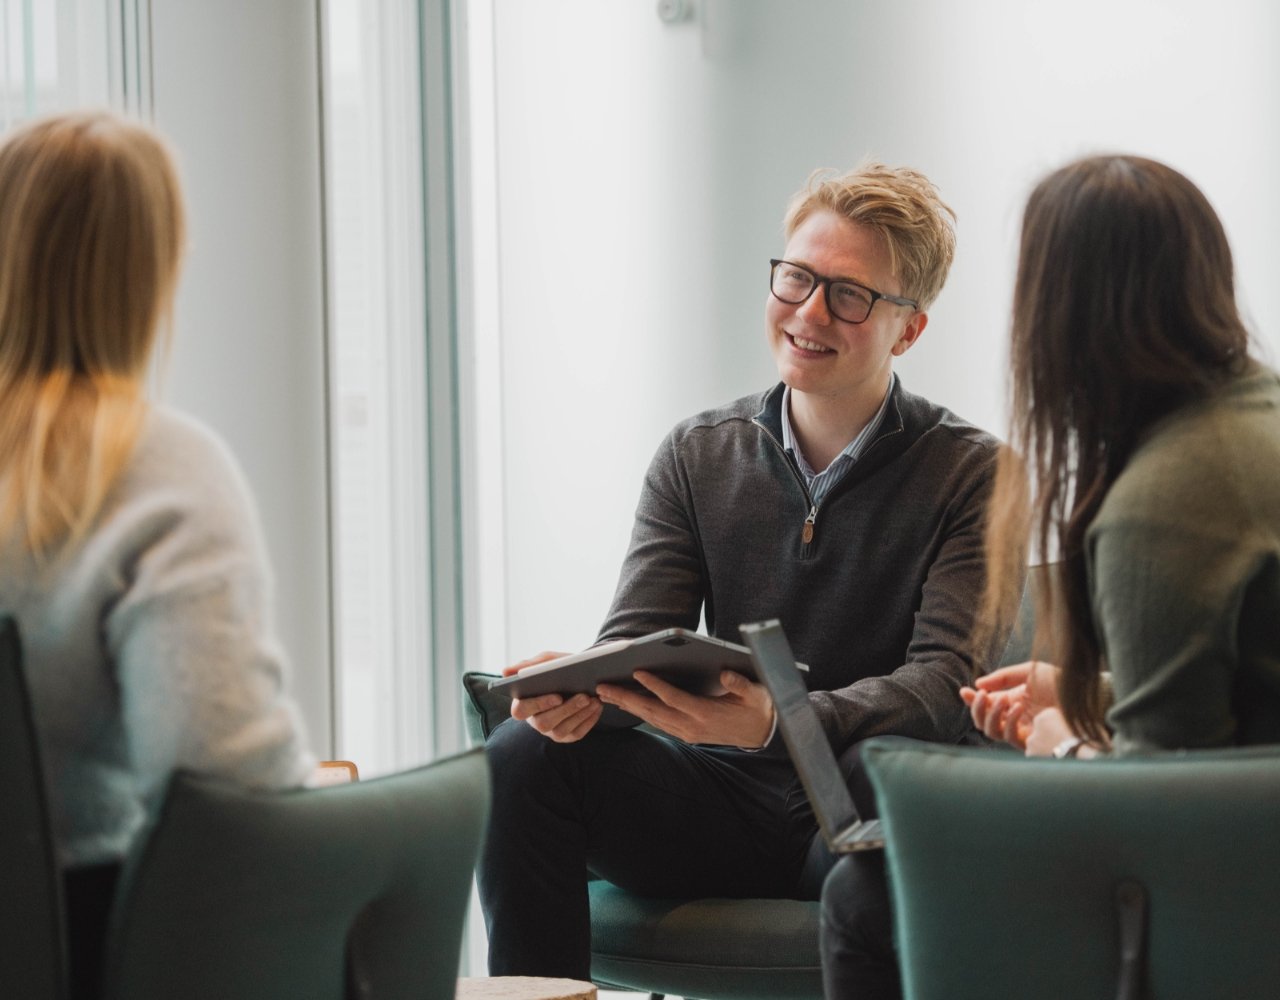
{"x":1017,"y":878}
{"x":358,"y":890}
{"x":482,"y":710}
{"x":33,"y":952}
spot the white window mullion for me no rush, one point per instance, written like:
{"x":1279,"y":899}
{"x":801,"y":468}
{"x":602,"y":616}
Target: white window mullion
{"x":378,"y":384}
{"x":480,"y":404}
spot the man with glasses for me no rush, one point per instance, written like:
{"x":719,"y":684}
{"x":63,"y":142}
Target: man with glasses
{"x":835,"y":501}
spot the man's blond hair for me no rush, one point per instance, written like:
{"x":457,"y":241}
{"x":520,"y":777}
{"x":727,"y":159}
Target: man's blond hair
{"x":902,"y":206}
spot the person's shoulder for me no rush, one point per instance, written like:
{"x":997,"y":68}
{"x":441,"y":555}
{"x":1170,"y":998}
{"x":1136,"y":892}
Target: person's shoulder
{"x":924,"y":419}
{"x":172,"y":432}
{"x":1241,"y":415}
{"x":742,"y":411}
{"x":1206,"y":452}
{"x":184,"y":461}
{"x":1250,"y":402}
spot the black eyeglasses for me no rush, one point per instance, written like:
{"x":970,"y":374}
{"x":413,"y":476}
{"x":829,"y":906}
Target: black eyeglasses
{"x":846,"y":300}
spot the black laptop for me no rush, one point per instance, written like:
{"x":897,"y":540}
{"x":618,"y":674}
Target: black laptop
{"x":807,"y":744}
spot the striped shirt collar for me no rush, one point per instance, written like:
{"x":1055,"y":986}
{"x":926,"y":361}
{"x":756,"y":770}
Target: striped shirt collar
{"x":820,"y":482}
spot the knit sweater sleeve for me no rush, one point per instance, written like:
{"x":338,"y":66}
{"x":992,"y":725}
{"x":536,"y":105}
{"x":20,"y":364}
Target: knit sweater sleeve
{"x":1173,"y":558}
{"x":199,"y":670}
{"x":920,"y":698}
{"x":662,"y":582}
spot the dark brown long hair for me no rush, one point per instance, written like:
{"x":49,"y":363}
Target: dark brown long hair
{"x":1124,"y":310}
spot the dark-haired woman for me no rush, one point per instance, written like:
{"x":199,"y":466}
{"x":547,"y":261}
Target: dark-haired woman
{"x":1146,"y":458}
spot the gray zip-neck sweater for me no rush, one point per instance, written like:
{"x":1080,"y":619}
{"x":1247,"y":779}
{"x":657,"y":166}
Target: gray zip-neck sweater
{"x":877,"y":586}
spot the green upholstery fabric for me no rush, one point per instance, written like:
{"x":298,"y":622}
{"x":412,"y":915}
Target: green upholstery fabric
{"x":271,"y":896}
{"x":32,"y":937}
{"x":736,"y":949}
{"x":482,"y":709}
{"x":1005,"y":870}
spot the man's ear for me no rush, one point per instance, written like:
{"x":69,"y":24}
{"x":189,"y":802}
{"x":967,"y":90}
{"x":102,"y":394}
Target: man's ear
{"x":910,"y":333}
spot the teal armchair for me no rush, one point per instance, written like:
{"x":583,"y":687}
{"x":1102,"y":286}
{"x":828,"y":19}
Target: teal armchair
{"x":33,"y":948}
{"x":355,"y":892}
{"x":1130,"y":878}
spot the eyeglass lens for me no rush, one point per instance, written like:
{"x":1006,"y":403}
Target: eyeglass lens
{"x":846,"y":301}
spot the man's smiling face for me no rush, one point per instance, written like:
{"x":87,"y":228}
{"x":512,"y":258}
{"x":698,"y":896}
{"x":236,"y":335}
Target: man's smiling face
{"x":824,"y":356}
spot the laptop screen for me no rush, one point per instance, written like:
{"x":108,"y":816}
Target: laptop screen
{"x":806,"y":741}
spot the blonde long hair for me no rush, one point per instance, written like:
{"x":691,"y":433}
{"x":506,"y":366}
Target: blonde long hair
{"x":91,"y":235}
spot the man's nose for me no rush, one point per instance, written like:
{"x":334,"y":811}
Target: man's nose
{"x":814,"y":308}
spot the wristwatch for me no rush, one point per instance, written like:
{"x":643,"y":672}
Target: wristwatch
{"x":1068,"y":747}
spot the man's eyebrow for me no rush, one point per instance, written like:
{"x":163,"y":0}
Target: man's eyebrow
{"x":830,"y":277}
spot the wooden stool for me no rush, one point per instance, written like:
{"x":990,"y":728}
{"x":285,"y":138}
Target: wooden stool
{"x":524,"y":988}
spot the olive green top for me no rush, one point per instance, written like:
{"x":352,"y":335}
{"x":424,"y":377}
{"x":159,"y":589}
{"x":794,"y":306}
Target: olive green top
{"x":1184,"y":571}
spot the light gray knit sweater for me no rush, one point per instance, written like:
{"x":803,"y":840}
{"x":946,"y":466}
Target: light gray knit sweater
{"x":150,"y":645}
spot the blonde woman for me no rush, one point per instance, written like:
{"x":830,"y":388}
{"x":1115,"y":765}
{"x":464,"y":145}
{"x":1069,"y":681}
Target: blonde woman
{"x":130,"y":553}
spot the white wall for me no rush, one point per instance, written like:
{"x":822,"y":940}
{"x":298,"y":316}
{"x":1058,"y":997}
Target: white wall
{"x":236,"y":89}
{"x":642,"y":171}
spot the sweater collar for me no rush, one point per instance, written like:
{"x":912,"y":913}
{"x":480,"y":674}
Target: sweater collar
{"x":902,"y":407}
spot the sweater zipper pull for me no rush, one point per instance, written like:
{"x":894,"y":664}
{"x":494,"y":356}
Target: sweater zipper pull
{"x":806,"y":533}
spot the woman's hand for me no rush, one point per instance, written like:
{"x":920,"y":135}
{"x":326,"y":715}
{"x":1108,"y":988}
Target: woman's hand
{"x":1048,"y":730}
{"x":1005,"y":702}
{"x":1042,"y":685}
{"x":1000,"y":715}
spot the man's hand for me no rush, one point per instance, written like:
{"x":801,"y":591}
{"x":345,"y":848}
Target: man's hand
{"x":557,"y":719}
{"x":741,"y":717}
{"x":542,"y":657}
